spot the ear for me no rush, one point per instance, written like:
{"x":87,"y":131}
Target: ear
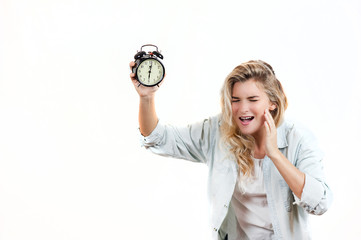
{"x":272,"y":107}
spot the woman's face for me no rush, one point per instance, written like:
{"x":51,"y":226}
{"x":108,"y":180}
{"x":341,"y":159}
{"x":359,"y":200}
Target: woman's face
{"x":249,"y":102}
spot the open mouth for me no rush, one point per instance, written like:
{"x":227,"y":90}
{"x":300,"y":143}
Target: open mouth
{"x":246,"y":119}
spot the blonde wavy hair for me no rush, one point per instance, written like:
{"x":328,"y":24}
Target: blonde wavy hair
{"x":241,"y":145}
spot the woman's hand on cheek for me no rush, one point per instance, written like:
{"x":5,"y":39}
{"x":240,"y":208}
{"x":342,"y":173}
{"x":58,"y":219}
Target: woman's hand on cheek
{"x":271,"y":135}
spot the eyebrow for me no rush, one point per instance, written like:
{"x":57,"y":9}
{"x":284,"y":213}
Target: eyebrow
{"x":251,"y":97}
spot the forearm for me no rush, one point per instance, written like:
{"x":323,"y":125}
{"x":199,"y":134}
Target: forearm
{"x":293,"y":177}
{"x":147,"y":115}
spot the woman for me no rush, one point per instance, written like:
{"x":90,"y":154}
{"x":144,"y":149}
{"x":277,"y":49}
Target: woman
{"x":265,"y":174}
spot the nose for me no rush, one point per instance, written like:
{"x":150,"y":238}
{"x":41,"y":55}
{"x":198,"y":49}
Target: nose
{"x":240,"y":108}
{"x":243,"y":108}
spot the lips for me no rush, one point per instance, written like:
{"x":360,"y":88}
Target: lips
{"x":246,"y":119}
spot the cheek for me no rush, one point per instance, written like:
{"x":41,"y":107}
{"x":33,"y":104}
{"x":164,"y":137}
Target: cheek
{"x":234,"y":109}
{"x":234,"y":112}
{"x":259,"y":110}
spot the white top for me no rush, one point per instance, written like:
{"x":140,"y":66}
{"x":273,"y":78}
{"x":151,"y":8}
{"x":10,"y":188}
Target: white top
{"x":250,"y":205}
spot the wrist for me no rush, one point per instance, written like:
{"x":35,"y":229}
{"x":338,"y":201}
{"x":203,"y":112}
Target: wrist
{"x":274,"y":156}
{"x":147,"y":98}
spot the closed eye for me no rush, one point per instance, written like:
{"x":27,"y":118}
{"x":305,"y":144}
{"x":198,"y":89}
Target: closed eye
{"x":253,"y":98}
{"x":235,"y":99}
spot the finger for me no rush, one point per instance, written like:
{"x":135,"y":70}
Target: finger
{"x":268,"y":130}
{"x":266,"y":117}
{"x":269,"y":125}
{"x":269,"y":114}
{"x":269,"y":118}
{"x":134,"y":80}
{"x":132,"y":64}
{"x":132,"y":76}
{"x":160,"y":84}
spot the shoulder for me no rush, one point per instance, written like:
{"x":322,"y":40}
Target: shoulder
{"x":199,"y":129}
{"x":294,"y":132}
{"x":215,"y":120}
{"x":212,"y":122}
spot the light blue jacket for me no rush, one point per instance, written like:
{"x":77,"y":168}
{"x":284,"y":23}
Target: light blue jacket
{"x":201,"y":142}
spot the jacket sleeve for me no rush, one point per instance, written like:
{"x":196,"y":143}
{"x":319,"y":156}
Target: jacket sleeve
{"x":316,"y":196}
{"x":192,"y":142}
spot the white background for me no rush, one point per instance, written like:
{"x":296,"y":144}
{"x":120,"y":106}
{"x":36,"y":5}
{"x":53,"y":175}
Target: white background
{"x":71,"y":166}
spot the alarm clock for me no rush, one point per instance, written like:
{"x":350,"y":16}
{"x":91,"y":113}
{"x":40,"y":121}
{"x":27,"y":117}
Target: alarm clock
{"x":149,"y":70}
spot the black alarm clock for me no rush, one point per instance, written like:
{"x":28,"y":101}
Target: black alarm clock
{"x":149,"y":70}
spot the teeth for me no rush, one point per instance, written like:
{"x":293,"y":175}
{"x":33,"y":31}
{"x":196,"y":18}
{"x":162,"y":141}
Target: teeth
{"x":246,"y":118}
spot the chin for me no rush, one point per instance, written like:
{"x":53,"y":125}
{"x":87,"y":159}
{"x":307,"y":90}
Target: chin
{"x":248,"y":130}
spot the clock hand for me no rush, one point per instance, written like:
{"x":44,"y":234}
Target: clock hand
{"x":150,"y":70}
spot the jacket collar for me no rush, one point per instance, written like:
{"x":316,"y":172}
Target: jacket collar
{"x":282,"y":135}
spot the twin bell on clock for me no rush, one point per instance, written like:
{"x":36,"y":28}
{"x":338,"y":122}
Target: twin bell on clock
{"x":149,"y":70}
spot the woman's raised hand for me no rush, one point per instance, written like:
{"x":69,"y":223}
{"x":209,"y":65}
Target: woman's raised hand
{"x":143,"y":91}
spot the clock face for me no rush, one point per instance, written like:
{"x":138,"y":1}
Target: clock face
{"x":150,"y":72}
